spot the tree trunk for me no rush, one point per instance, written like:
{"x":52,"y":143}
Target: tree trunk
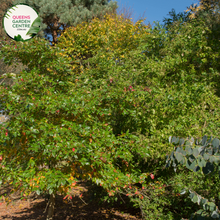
{"x":51,"y":207}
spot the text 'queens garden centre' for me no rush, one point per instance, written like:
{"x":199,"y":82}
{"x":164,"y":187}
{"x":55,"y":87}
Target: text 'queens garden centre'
{"x":21,"y":23}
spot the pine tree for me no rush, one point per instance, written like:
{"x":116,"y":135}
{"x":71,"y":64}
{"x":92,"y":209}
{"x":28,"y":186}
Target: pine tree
{"x":57,"y":15}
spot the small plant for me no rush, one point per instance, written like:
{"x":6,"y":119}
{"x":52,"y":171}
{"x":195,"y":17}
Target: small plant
{"x":203,"y":156}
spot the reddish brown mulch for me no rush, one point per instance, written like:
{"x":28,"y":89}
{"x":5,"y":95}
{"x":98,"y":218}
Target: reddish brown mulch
{"x":76,"y":208}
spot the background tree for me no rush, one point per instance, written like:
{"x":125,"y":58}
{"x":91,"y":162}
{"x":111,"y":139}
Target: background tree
{"x":204,"y":5}
{"x":207,"y":8}
{"x":209,"y":11}
{"x":175,"y":18}
{"x":57,"y":15}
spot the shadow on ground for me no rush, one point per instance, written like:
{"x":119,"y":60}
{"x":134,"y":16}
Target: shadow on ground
{"x":80,"y":209}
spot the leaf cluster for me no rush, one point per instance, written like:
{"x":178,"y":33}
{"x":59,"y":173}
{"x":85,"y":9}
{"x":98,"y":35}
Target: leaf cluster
{"x":204,"y":155}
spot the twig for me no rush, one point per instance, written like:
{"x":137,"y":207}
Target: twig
{"x":121,"y":198}
{"x":47,"y":206}
{"x":28,"y":200}
{"x":2,"y":81}
{"x":83,"y":201}
{"x":204,"y":124}
{"x":142,"y":213}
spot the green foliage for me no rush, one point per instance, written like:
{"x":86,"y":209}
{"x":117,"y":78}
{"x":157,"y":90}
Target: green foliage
{"x":204,"y":155}
{"x":182,"y":17}
{"x":147,"y":97}
{"x":58,"y":131}
{"x":101,"y":105}
{"x":165,"y":101}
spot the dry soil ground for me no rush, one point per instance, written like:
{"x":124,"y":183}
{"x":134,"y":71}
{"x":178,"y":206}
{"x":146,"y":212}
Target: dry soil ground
{"x":77,"y":208}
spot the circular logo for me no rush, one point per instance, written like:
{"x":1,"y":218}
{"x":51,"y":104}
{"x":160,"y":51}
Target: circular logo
{"x":21,"y":22}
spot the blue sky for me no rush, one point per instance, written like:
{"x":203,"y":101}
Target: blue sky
{"x":154,"y":10}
